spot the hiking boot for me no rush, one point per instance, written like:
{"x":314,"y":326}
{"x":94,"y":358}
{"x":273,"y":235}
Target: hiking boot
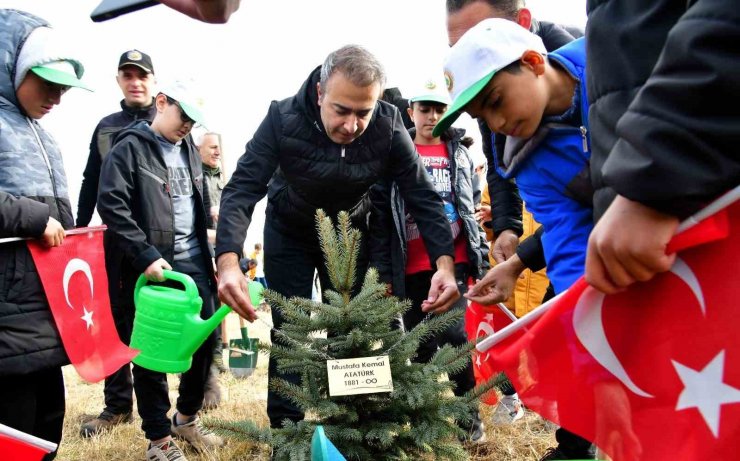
{"x":211,"y":391}
{"x":508,"y":410}
{"x":165,"y":451}
{"x":218,"y":362}
{"x":105,"y":421}
{"x":195,"y":434}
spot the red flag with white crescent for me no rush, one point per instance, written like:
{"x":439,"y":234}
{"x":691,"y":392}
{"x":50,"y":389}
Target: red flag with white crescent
{"x":481,"y":321}
{"x":76,"y":286}
{"x":651,"y":373}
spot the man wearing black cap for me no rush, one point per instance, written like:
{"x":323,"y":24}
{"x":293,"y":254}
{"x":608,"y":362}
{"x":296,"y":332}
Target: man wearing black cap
{"x":136,"y":79}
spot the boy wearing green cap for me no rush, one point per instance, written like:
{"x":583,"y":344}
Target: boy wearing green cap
{"x":399,"y":252}
{"x":151,"y":198}
{"x":35,"y":71}
{"x":500,"y":73}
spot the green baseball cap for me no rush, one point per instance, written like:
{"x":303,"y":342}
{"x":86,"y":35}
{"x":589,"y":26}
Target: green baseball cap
{"x":60,"y":72}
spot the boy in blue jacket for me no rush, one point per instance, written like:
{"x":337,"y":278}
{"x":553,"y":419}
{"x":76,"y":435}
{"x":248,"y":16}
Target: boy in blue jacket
{"x":500,"y":73}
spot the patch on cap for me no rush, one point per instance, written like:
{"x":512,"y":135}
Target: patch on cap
{"x":134,"y":55}
{"x":448,"y":81}
{"x":430,"y":85}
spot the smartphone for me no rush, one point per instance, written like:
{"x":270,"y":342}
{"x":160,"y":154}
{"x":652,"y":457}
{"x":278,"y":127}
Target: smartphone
{"x":109,"y":9}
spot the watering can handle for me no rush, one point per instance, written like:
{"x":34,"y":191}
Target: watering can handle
{"x":190,"y":288}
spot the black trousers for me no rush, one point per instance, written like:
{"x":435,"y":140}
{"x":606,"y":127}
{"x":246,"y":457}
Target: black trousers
{"x":34,"y":403}
{"x":152,"y":391}
{"x":119,"y":387}
{"x":289,"y":269}
{"x":417,"y":289}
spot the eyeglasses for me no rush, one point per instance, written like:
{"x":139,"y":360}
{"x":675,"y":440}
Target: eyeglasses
{"x":183,"y":116}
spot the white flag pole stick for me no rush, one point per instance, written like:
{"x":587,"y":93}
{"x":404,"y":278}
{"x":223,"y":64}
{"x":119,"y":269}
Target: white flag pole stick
{"x":507,"y":312}
{"x":81,"y":230}
{"x":719,"y":204}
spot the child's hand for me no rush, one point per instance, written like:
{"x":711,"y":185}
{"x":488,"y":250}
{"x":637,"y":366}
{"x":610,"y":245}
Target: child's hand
{"x":53,"y":234}
{"x":155,"y":271}
{"x":483,"y":214}
{"x":498,"y":283}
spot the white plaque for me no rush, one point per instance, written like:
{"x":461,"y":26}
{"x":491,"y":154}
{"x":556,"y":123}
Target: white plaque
{"x":366,"y":375}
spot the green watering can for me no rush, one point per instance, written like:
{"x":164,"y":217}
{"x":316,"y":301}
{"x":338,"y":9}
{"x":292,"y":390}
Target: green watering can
{"x":167,"y":326}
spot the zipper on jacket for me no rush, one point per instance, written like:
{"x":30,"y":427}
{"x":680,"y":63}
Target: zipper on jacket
{"x":48,"y":164}
{"x":342,"y":151}
{"x":584,"y":138}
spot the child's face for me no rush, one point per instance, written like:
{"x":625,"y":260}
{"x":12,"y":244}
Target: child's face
{"x":37,"y":97}
{"x":511,"y":104}
{"x":426,"y":115}
{"x":171,"y":121}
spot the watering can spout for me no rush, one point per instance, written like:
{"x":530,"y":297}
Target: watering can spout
{"x":199,"y":329}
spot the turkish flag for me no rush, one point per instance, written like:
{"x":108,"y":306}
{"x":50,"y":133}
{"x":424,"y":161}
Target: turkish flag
{"x":481,"y":321}
{"x":16,"y":445}
{"x":76,"y":286}
{"x":652,"y":373}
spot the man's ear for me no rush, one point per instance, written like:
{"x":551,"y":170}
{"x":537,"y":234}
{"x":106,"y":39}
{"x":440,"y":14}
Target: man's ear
{"x":534,"y":61}
{"x":410,"y":111}
{"x":524,"y":18}
{"x":318,"y":91}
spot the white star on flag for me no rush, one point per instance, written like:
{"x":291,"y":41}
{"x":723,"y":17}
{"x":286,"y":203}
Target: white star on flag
{"x":705,"y":390}
{"x":87,"y":317}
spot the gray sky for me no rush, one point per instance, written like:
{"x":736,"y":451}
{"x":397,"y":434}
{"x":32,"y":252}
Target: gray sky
{"x":264,"y":52}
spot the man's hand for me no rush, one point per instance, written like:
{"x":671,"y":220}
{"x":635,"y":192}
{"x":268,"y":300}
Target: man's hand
{"x":498,"y":283}
{"x":210,"y":11}
{"x":628,"y":245}
{"x":155,"y":271}
{"x":53,"y":235}
{"x":505,"y":246}
{"x":233,"y":289}
{"x":443,"y":289}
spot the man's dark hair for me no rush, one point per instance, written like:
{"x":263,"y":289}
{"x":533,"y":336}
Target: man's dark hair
{"x":509,"y":9}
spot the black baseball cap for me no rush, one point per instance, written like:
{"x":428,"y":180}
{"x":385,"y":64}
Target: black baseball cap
{"x":138,"y":59}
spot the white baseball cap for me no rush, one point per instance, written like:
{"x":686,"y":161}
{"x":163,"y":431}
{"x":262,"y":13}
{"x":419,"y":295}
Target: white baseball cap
{"x":482,"y":51}
{"x":434,"y":89}
{"x":185,"y":93}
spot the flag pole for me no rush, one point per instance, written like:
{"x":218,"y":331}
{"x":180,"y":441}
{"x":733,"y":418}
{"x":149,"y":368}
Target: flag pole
{"x":80,"y":230}
{"x":725,"y":200}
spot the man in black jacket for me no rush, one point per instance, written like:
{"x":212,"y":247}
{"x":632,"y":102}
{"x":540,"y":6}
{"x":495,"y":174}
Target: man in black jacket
{"x":324,"y":148}
{"x":664,"y":93}
{"x":136,"y":80}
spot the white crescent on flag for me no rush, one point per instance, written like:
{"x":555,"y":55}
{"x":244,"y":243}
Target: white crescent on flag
{"x":76,"y":265}
{"x":589,"y":327}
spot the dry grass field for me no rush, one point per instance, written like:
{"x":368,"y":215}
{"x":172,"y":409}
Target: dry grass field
{"x":246,"y":399}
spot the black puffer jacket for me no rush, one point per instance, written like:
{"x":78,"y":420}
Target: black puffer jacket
{"x":100,"y":145}
{"x":293,"y":160}
{"x":135,"y":203}
{"x":33,"y":188}
{"x":506,"y":206}
{"x":665,"y":101}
